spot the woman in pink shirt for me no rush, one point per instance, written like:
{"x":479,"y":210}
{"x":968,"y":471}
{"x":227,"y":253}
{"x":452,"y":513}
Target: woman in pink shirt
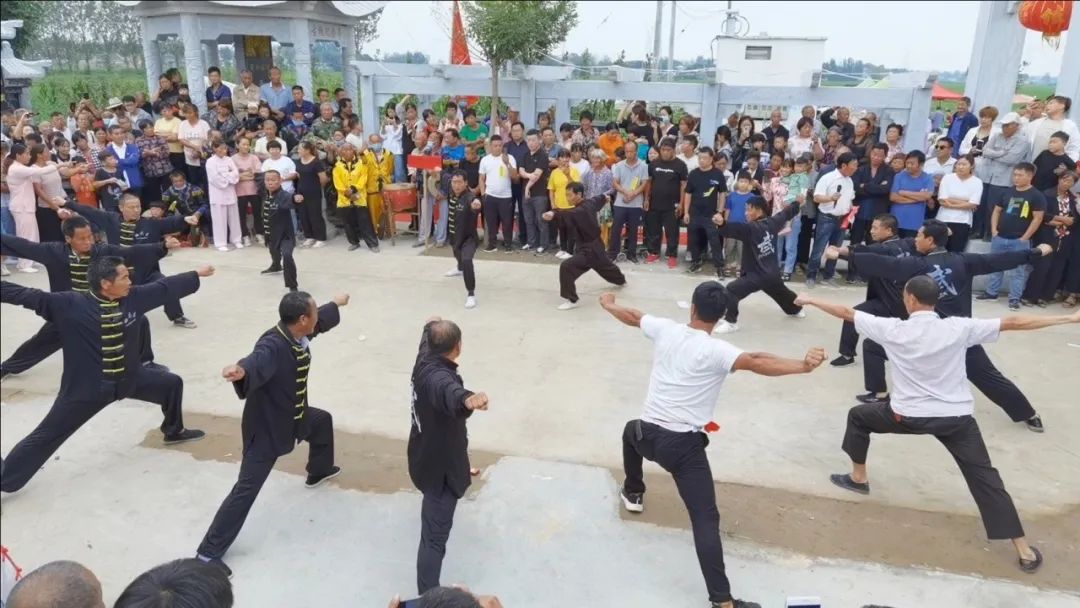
{"x":247,"y":189}
{"x":222,"y":176}
{"x":20,"y":181}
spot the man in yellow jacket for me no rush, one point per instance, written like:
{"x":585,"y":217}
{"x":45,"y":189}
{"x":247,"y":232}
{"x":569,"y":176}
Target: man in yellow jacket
{"x":351,"y":182}
{"x":380,"y":169}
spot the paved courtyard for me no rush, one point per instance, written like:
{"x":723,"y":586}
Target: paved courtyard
{"x":542,"y":525}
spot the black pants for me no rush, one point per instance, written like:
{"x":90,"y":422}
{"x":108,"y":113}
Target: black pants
{"x":281,"y":256}
{"x":173,"y":310}
{"x":807,"y":228}
{"x":773,"y":287}
{"x":958,"y":240}
{"x":498,"y":212}
{"x":682,"y":455}
{"x":70,"y":412}
{"x":980,"y":372}
{"x":311,"y":217}
{"x":178,"y":162}
{"x":464,"y":256}
{"x":46,"y":341}
{"x":151,"y":190}
{"x":566,"y":238}
{"x":254,"y":203}
{"x":849,"y":338}
{"x":254,"y":469}
{"x":49,"y":230}
{"x":1071,"y":254}
{"x":960,"y":435}
{"x":662,"y":223}
{"x":517,"y":191}
{"x":589,"y":256}
{"x":436,"y":519}
{"x":630,"y":217}
{"x":701,"y":233}
{"x":357,"y":221}
{"x":1047,"y":272}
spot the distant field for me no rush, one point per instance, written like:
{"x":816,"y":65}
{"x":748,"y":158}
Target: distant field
{"x":1040,"y":91}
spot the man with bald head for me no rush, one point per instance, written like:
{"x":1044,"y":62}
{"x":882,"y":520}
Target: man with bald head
{"x":57,"y":584}
{"x":439,"y":442}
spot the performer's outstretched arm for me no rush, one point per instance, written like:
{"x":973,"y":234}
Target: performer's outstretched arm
{"x":845,"y":313}
{"x":329,"y":315}
{"x":46,"y":305}
{"x":628,"y":316}
{"x":1030,"y":322}
{"x":22,"y":248}
{"x":252,"y":371}
{"x":986,"y":263}
{"x":152,"y":295}
{"x":768,"y":364}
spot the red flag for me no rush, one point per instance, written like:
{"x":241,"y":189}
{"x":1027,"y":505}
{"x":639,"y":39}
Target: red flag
{"x":459,"y":47}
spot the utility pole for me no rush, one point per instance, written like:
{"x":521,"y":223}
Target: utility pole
{"x":671,"y":46}
{"x":656,"y":38}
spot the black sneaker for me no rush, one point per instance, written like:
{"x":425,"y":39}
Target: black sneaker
{"x":508,"y":249}
{"x":354,"y":247}
{"x":217,"y":563}
{"x":737,"y":604}
{"x":695,"y":267}
{"x":184,"y":436}
{"x":1014,"y":304}
{"x":632,"y":259}
{"x":871,"y":397}
{"x":985,"y":297}
{"x":632,"y":502}
{"x":184,"y":322}
{"x":785,"y":277}
{"x":491,"y":249}
{"x":314,"y":481}
{"x":374,"y":249}
{"x":271,"y":270}
{"x":842,"y":361}
{"x":1034,"y":424}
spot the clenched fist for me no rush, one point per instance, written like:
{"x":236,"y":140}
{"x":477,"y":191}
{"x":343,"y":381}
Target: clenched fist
{"x":171,"y":242}
{"x":341,"y":299}
{"x":814,"y":357}
{"x":205,"y":270}
{"x":232,"y":373}
{"x":477,"y":401}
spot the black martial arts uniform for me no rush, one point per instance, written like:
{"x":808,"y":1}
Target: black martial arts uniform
{"x":953,"y":273}
{"x":277,"y":208}
{"x":589,"y":252}
{"x":100,"y":339}
{"x":760,"y":267}
{"x":884,"y":298}
{"x":142,"y":231}
{"x":464,"y":240}
{"x":276,"y":418}
{"x":67,"y":272}
{"x":438,"y":454}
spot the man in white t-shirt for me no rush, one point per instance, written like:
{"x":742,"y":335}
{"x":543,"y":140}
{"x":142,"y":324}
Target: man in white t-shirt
{"x":931,"y":397}
{"x":496,"y":171}
{"x":834,"y":193}
{"x":282,"y":164}
{"x":689,"y":367}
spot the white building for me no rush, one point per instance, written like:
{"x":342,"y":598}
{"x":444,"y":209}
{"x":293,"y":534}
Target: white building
{"x":764,"y":60}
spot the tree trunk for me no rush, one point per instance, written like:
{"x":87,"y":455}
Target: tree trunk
{"x":495,"y":99}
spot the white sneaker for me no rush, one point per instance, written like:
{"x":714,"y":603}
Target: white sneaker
{"x":260,"y":239}
{"x":799,"y":315}
{"x":453,"y":273}
{"x":247,"y":241}
{"x":28,"y":269}
{"x":238,"y":245}
{"x":568,"y":305}
{"x":526,"y":247}
{"x":318,"y":244}
{"x":308,"y":243}
{"x":723,"y":327}
{"x":562,"y":255}
{"x":539,"y":251}
{"x":689,"y":257}
{"x":470,"y":302}
{"x":4,"y":272}
{"x":222,"y":248}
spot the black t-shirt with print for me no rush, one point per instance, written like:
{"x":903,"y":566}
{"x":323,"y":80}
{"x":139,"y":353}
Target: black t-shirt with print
{"x":664,"y":179}
{"x":109,"y":194}
{"x":1017,"y":211}
{"x":704,"y":188}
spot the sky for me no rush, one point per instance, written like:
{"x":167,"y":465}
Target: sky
{"x":935,"y":36}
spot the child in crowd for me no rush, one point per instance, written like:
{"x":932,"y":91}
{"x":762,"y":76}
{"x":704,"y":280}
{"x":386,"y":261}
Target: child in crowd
{"x":736,"y":214}
{"x":755,"y":170}
{"x":187,"y":199}
{"x":759,"y":143}
{"x":296,"y":124}
{"x":1052,"y":162}
{"x":798,"y":183}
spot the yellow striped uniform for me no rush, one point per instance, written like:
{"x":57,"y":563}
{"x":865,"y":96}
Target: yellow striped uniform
{"x":112,"y":338}
{"x":303,"y":366}
{"x":77,"y":266}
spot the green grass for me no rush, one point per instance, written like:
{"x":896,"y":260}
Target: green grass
{"x":1039,"y":91}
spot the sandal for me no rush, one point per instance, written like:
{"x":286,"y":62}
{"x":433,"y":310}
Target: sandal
{"x":1069,"y":302}
{"x":1031,"y":565}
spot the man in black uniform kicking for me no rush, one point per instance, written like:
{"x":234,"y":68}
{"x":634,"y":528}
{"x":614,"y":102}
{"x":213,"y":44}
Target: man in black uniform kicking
{"x":953,"y":273}
{"x":66,"y":264}
{"x":463,"y":209}
{"x":273,"y":381}
{"x":589,"y":252}
{"x":883,"y":297}
{"x":99,"y":334}
{"x":131,"y":228}
{"x":760,"y":266}
{"x":277,"y":208}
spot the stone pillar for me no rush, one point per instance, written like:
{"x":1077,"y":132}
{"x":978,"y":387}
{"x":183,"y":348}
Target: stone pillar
{"x":527,"y":102}
{"x":211,"y":47}
{"x":1068,"y":83}
{"x":193,"y":63}
{"x":301,"y":40}
{"x":915,"y":130}
{"x":348,"y":70}
{"x":995,"y":56}
{"x":152,"y":59}
{"x":368,"y":112}
{"x":710,"y":118}
{"x":238,"y":55}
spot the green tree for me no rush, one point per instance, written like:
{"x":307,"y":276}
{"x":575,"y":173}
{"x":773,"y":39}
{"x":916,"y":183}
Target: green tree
{"x":32,"y":14}
{"x":522,"y":31}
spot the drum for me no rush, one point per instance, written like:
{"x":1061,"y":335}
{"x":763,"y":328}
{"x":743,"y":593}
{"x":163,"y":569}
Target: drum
{"x":400,"y":197}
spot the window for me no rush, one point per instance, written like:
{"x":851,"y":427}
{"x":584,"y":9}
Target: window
{"x":758,"y":53}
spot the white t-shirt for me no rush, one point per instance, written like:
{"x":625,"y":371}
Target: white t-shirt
{"x":691,"y":161}
{"x":827,"y":185}
{"x":262,"y":142}
{"x":582,"y":166}
{"x":190,"y":132}
{"x":497,"y":180}
{"x":689,"y":367}
{"x":934,"y":167}
{"x":929,"y":373}
{"x":952,"y":186}
{"x":283,"y":165}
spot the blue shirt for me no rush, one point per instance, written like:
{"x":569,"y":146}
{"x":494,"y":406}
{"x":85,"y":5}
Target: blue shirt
{"x":305,"y":107}
{"x":275,"y":98}
{"x":912,"y":215}
{"x":223,"y":92}
{"x":455,"y":153}
{"x":736,"y":204}
{"x":959,"y":128}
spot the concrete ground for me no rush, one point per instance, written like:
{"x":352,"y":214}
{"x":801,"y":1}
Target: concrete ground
{"x":562,"y":385}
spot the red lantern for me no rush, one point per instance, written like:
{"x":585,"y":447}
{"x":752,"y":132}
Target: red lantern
{"x":1051,"y":17}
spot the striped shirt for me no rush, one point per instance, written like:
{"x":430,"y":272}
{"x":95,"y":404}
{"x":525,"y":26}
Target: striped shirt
{"x":77,"y":266}
{"x":112,"y":338}
{"x":303,"y":366}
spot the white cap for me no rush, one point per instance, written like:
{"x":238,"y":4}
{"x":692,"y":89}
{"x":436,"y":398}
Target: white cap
{"x":1011,"y":117}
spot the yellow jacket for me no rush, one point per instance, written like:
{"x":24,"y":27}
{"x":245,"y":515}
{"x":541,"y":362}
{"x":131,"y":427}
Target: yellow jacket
{"x":351,"y":175}
{"x":376,"y":169}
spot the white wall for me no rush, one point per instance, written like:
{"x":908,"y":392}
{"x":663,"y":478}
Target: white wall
{"x":792,"y":62}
